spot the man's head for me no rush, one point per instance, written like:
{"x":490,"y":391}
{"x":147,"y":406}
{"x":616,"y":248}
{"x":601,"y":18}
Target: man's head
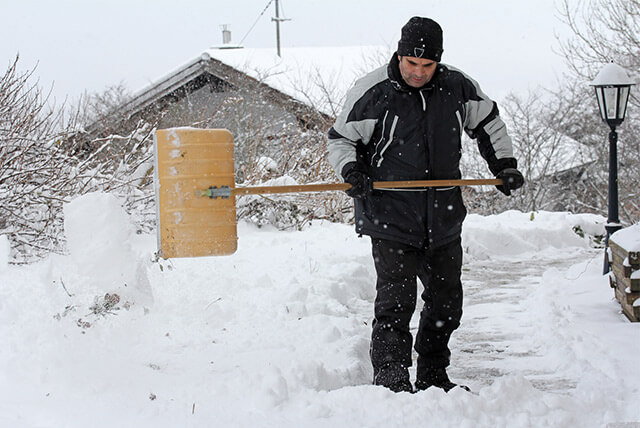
{"x":419,"y":50}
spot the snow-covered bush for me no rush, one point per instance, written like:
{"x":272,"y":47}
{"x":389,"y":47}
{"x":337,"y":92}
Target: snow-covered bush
{"x":44,"y":163}
{"x":31,"y":159}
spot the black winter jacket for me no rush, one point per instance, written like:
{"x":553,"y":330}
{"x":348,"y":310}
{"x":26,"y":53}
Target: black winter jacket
{"x":396,"y":132}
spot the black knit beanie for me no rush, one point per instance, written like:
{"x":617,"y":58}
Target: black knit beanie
{"x":421,"y":38}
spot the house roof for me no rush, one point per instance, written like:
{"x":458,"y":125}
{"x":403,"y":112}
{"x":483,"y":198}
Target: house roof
{"x":317,"y":76}
{"x":309,"y":81}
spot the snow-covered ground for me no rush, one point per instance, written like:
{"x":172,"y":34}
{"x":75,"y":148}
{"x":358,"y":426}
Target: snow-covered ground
{"x":277,"y":335}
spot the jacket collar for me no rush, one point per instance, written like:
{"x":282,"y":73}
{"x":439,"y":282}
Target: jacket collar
{"x":398,"y":83}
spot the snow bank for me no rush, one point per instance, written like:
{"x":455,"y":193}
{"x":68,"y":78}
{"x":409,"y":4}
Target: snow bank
{"x":101,"y":257}
{"x":514,"y":233}
{"x":98,"y":235}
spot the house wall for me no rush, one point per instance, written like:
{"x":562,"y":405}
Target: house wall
{"x":259,"y":127}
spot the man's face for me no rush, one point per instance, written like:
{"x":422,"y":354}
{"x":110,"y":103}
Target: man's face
{"x":417,"y":72}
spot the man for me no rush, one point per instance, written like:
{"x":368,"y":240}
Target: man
{"x":404,"y":121}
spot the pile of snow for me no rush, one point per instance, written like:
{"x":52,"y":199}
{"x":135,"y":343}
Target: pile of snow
{"x":514,"y":233}
{"x":101,"y":256}
{"x":277,"y":334}
{"x":98,"y":233}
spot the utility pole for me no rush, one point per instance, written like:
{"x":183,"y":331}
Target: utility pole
{"x":277,"y":20}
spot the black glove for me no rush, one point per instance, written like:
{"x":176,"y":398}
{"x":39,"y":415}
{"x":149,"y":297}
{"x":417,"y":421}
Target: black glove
{"x":361,"y":184}
{"x":512,"y":179}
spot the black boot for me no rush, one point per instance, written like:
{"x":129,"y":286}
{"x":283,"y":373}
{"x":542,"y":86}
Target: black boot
{"x":394,"y":377}
{"x":439,"y":379}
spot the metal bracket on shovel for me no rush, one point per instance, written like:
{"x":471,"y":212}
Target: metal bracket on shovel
{"x":215,"y":192}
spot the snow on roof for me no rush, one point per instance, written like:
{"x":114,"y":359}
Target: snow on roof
{"x":559,"y":154}
{"x":317,"y":76}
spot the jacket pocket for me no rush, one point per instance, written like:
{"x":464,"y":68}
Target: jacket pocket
{"x":448,"y":212}
{"x":400,"y":210}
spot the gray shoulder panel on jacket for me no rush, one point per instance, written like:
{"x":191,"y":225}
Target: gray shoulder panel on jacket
{"x":358,"y":131}
{"x":343,"y":150}
{"x":477,"y":110}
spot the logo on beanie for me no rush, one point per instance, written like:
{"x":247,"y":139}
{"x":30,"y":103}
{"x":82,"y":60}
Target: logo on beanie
{"x":418,"y":52}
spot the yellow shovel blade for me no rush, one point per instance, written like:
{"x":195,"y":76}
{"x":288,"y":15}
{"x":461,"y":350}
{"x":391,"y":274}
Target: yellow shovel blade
{"x":188,"y":159}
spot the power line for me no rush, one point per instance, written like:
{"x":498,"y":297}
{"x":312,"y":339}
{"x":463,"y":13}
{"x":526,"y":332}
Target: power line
{"x":254,"y":24}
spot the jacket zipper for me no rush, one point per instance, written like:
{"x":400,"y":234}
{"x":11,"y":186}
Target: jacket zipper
{"x":392,"y":131}
{"x":428,"y":195}
{"x":424,"y":102}
{"x":384,"y":125}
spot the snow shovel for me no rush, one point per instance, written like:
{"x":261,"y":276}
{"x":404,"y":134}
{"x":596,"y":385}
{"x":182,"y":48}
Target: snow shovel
{"x":195,"y":191}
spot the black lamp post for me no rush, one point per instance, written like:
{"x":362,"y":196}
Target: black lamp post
{"x":612,"y":87}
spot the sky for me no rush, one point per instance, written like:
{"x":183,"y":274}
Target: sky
{"x":81,"y":45}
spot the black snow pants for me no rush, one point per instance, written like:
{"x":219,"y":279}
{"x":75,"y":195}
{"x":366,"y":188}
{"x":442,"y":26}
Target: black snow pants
{"x":397,"y":266}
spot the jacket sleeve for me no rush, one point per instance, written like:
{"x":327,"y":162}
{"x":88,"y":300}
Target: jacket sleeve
{"x":482,"y":122}
{"x":355,"y":123}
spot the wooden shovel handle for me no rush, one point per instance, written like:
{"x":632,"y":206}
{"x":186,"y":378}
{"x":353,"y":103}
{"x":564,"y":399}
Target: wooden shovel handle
{"x":376,"y":185}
